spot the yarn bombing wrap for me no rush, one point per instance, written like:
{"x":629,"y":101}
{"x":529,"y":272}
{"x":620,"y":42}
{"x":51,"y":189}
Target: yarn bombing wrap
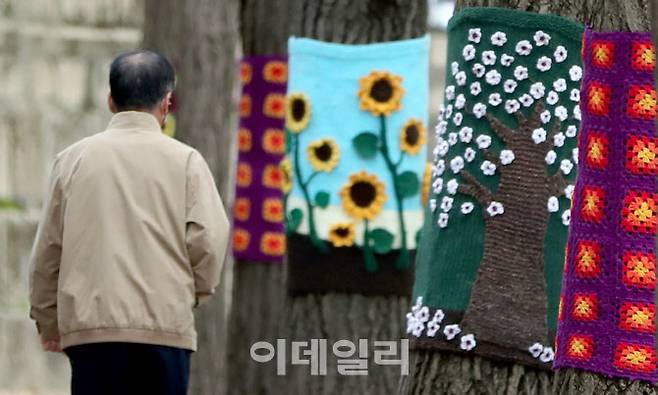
{"x":356,"y":124}
{"x":258,"y":210}
{"x":607,"y":314}
{"x":490,"y":259}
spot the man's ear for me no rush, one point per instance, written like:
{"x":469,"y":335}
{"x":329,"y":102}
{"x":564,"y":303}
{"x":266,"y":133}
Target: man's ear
{"x":110,"y":104}
{"x":166,"y":103}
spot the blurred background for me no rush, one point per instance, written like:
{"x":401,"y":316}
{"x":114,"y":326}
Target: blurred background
{"x":54,"y":61}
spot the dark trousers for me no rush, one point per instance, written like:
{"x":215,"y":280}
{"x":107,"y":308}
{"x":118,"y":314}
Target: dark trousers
{"x":128,"y":368}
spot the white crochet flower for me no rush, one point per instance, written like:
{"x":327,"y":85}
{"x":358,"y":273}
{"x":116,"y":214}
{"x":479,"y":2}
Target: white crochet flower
{"x":460,"y":101}
{"x":498,"y":39}
{"x":443,"y":220}
{"x":438,"y":168}
{"x":467,"y":208}
{"x":479,"y":110}
{"x":568,"y":191}
{"x":509,"y":86}
{"x":495,"y":208}
{"x":488,"y":168}
{"x":574,"y":155}
{"x":454,"y":67}
{"x":506,"y":157}
{"x":537,"y":90}
{"x":550,"y":157}
{"x":536,"y":349}
{"x":560,"y":85}
{"x":526,"y":100}
{"x":466,"y":134}
{"x":457,"y":119}
{"x":553,"y":204}
{"x":478,"y":70}
{"x":544,"y":63}
{"x":467,"y":342}
{"x":547,"y":355}
{"x":558,"y":139}
{"x":523,"y":47}
{"x":566,"y":217}
{"x":437,"y":185}
{"x":441,"y":128}
{"x":576,"y":112}
{"x":453,"y":138}
{"x":561,"y":113}
{"x":552,"y":97}
{"x":441,"y":148}
{"x":483,"y":141}
{"x":469,"y":154}
{"x":506,"y":60}
{"x":575,"y":73}
{"x":512,"y":106}
{"x":560,"y":54}
{"x":460,"y":78}
{"x":520,"y":73}
{"x":492,"y":77}
{"x":575,"y":95}
{"x":489,"y":58}
{"x":446,"y":203}
{"x":495,"y":99}
{"x":457,"y":164}
{"x":468,"y":52}
{"x":450,"y":92}
{"x":432,"y":203}
{"x":545,"y":116}
{"x":474,"y":35}
{"x":432,"y":328}
{"x":539,"y":135}
{"x":452,"y":186}
{"x":541,"y":38}
{"x":571,"y":131}
{"x":448,"y":111}
{"x":450,"y":331}
{"x":566,"y":166}
{"x":476,"y":88}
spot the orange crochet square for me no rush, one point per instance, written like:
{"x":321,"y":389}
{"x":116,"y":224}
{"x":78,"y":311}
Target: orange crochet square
{"x":635,"y":357}
{"x":643,"y":56}
{"x":642,"y":155}
{"x":639,"y":212}
{"x":274,"y":141}
{"x":585,"y":307}
{"x":275,"y":71}
{"x":244,"y":140}
{"x":592,"y":204}
{"x":588,"y":259}
{"x":241,"y":238}
{"x":580,"y":347}
{"x":635,"y":316}
{"x":273,"y":176}
{"x":597,"y":150}
{"x":642,"y":102}
{"x":639,"y":269}
{"x":242,"y":209}
{"x":244,"y":175}
{"x":245,"y":106}
{"x":603,"y":53}
{"x":246,"y":73}
{"x":273,"y":210}
{"x":598,"y":98}
{"x":275,"y":105}
{"x":273,"y":243}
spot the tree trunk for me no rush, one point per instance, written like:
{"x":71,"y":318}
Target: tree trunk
{"x":201,"y":38}
{"x":437,"y":372}
{"x":266,"y":26}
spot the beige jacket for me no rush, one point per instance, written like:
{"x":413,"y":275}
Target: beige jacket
{"x":133,"y":233}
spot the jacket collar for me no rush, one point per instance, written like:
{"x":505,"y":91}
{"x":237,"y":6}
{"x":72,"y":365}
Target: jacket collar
{"x":134,"y":121}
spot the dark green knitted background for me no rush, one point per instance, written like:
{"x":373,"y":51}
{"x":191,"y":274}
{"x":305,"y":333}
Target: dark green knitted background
{"x":449,"y":258}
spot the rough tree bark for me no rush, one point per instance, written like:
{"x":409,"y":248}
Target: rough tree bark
{"x":443,"y":373}
{"x":266,"y":25}
{"x":201,"y":37}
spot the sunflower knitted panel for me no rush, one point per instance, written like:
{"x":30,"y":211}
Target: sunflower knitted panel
{"x":607,"y":309}
{"x":356,"y":117}
{"x":490,"y":260}
{"x":258,"y":211}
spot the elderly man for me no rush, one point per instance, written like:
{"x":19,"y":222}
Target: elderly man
{"x":133,"y":237}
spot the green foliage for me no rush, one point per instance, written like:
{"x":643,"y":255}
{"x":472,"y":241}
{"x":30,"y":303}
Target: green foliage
{"x":382,"y":240}
{"x":322,"y":199}
{"x":294,"y":219}
{"x":407,"y":183}
{"x":366,"y":144}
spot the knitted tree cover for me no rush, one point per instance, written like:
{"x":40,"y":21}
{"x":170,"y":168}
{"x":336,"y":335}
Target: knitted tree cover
{"x":491,"y":254}
{"x":356,"y":117}
{"x":607,"y":311}
{"x":258,"y":209}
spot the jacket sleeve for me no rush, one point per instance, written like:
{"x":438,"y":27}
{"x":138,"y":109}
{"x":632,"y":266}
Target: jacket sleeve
{"x":45,"y":260}
{"x":207,"y":227}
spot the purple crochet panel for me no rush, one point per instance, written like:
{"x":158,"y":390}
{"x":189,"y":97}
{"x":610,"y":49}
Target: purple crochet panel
{"x":607,"y":308}
{"x":258,"y":211}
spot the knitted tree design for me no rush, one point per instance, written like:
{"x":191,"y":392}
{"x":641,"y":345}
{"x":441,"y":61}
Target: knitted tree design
{"x":504,"y":146}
